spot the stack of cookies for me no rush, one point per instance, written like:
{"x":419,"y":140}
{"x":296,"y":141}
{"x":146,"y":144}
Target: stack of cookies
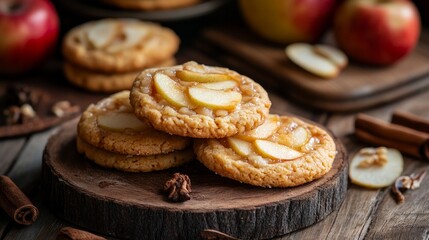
{"x":110,"y":135}
{"x":106,"y":55}
{"x":227,"y":114}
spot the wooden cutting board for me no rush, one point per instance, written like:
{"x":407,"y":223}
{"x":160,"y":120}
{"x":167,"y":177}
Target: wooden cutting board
{"x":132,"y":206}
{"x":357,"y":87}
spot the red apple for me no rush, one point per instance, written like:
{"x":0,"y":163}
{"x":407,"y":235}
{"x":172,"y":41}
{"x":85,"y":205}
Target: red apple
{"x":287,"y":21}
{"x":28,"y":31}
{"x":378,"y":32}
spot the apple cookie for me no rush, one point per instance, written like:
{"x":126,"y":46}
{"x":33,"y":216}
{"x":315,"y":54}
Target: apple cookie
{"x":282,"y":152}
{"x":150,"y":4}
{"x":199,"y":101}
{"x":134,"y":163}
{"x":119,"y":45}
{"x":104,"y":82}
{"x":111,"y":125}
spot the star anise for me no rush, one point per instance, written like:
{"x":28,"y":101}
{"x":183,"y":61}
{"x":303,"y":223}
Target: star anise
{"x":178,"y":188}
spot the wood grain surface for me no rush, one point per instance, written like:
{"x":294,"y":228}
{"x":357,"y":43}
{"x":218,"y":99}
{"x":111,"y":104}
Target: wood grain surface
{"x":244,"y":211}
{"x":357,"y":87}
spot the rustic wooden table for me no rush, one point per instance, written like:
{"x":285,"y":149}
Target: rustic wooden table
{"x":364,"y":213}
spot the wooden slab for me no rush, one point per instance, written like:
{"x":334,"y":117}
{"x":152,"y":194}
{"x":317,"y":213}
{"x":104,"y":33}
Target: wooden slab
{"x":357,"y":87}
{"x":131,"y":205}
{"x":52,"y":89}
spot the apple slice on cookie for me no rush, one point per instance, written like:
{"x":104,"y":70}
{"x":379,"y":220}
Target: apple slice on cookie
{"x":171,"y":91}
{"x":102,"y":34}
{"x":275,"y":151}
{"x":117,"y":121}
{"x":214,"y":99}
{"x":224,"y":85}
{"x":268,"y":128}
{"x":190,"y":76}
{"x":241,"y":147}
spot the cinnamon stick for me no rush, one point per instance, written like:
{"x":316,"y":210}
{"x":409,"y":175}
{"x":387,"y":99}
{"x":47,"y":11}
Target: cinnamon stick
{"x":378,"y":132}
{"x":14,"y":202}
{"x":410,"y":120}
{"x":69,"y":233}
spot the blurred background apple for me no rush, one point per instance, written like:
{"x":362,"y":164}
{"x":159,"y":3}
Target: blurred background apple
{"x":378,"y":32}
{"x":287,"y":21}
{"x":28,"y":31}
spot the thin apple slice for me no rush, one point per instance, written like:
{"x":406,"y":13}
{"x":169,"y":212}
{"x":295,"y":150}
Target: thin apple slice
{"x":275,"y":151}
{"x":101,"y":34}
{"x":224,"y":85}
{"x":119,"y":121}
{"x":333,"y":54}
{"x":377,"y":176}
{"x":297,"y":138}
{"x":170,"y":90}
{"x":121,"y":94}
{"x":303,"y":55}
{"x":132,"y":36}
{"x":190,"y":76}
{"x":268,"y":128}
{"x":241,"y":147}
{"x":214,"y":99}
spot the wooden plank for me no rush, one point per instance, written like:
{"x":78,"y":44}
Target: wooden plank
{"x":357,"y":87}
{"x":26,"y":171}
{"x":9,"y":149}
{"x":405,"y":221}
{"x":362,"y":206}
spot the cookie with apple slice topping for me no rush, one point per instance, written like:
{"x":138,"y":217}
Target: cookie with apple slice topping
{"x":119,"y":45}
{"x":199,"y":101}
{"x":282,"y":152}
{"x":111,"y":125}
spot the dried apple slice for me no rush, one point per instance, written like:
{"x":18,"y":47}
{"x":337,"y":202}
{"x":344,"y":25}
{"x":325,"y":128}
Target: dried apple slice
{"x":241,"y":147}
{"x":376,"y":176}
{"x":224,"y":85}
{"x":190,"y":76}
{"x":132,"y":36}
{"x":214,"y":99}
{"x":335,"y":55}
{"x":170,"y":90}
{"x":101,"y":34}
{"x":265,"y":130}
{"x":303,"y":55}
{"x":117,"y":121}
{"x":275,"y":151}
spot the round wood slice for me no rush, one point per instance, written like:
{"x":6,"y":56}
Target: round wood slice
{"x":132,"y":205}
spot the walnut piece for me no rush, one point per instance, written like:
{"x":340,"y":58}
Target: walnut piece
{"x":64,"y":108}
{"x":406,"y":182}
{"x":178,"y":188}
{"x":374,"y":157}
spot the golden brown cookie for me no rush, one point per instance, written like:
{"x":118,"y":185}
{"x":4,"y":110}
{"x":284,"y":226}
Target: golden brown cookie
{"x":199,"y":101}
{"x":282,"y":152}
{"x":119,"y":45}
{"x":111,"y":125}
{"x":150,"y":4}
{"x":104,"y":82}
{"x":133,"y":163}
